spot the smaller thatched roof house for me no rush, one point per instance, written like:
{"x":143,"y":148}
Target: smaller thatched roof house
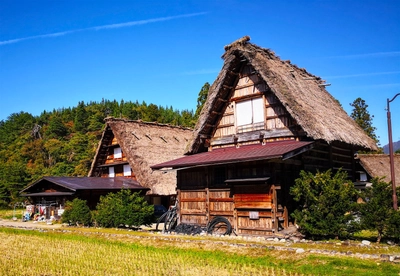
{"x":133,"y":146}
{"x":378,"y":165}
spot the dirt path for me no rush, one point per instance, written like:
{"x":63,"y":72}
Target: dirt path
{"x":44,"y":225}
{"x":28,"y":224}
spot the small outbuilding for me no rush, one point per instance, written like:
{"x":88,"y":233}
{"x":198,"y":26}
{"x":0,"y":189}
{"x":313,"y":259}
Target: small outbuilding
{"x":49,"y":194}
{"x":376,"y":165}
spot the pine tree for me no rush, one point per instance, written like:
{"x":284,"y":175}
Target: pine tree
{"x":80,"y":118}
{"x":325,"y":204}
{"x":362,"y":117}
{"x":201,"y":99}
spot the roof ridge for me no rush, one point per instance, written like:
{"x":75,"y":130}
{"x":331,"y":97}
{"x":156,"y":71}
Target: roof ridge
{"x":112,"y":119}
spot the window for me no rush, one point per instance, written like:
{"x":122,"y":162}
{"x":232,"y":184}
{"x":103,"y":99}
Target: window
{"x":250,"y":115}
{"x":127,"y":170}
{"x":111,"y":172}
{"x":117,"y":153}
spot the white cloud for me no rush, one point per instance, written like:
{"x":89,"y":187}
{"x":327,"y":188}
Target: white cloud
{"x":104,"y":27}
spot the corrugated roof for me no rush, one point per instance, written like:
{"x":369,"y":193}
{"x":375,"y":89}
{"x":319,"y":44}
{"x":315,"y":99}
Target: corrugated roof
{"x":281,"y":149}
{"x":49,"y":194}
{"x":90,"y":183}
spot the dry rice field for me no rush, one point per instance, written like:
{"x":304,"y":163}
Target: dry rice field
{"x":39,"y":252}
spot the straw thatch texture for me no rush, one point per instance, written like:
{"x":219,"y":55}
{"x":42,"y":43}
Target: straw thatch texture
{"x":302,"y":94}
{"x":378,"y":165}
{"x":146,"y":144}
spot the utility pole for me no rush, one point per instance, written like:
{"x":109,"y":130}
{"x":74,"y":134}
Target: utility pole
{"x":392,"y":174}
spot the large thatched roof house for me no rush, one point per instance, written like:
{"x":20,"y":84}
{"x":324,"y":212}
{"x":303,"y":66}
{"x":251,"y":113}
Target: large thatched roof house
{"x":128,"y":148}
{"x":264,"y":120}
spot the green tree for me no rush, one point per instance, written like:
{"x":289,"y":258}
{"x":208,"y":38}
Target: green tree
{"x":123,"y":208}
{"x":80,"y":120}
{"x":362,"y":117}
{"x":66,"y":141}
{"x":187,"y":118}
{"x":325,"y":204}
{"x":394,"y":225}
{"x":201,"y":99}
{"x":56,"y":128}
{"x":376,"y":211}
{"x":13,"y":178}
{"x":77,"y":213}
{"x":15,"y":126}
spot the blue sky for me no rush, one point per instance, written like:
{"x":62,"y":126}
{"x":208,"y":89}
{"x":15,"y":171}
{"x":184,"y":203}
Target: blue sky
{"x":54,"y":54}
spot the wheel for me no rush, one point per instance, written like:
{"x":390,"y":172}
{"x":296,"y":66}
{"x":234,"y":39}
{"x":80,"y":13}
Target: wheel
{"x":219,"y":225}
{"x":171,"y":221}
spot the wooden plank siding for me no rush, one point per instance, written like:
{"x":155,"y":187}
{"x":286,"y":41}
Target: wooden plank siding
{"x":201,"y":206}
{"x":235,"y":202}
{"x":276,"y":118}
{"x":253,"y":208}
{"x":335,"y":156}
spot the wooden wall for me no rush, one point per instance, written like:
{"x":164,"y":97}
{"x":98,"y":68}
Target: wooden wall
{"x":254,"y":208}
{"x":251,"y":86}
{"x":249,"y":212}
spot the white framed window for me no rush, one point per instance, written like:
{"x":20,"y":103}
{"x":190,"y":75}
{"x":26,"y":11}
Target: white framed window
{"x":117,"y":153}
{"x":111,"y":172}
{"x":250,"y":115}
{"x":249,"y":112}
{"x":127,"y":170}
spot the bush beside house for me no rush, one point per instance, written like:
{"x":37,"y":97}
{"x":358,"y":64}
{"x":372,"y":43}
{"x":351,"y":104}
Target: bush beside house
{"x":123,"y":208}
{"x":77,"y":213}
{"x":327,"y":207}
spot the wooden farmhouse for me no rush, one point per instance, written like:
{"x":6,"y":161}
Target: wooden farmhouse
{"x":375,"y":165}
{"x":127,"y":149}
{"x":263,"y":122}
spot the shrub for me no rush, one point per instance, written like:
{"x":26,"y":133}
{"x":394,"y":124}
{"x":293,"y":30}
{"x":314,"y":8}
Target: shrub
{"x":77,"y":212}
{"x":123,"y":208}
{"x":325,"y":204}
{"x":377,"y":210}
{"x":393,"y":229}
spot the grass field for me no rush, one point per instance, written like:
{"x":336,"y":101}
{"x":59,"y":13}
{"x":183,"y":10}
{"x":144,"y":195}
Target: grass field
{"x":111,"y":252}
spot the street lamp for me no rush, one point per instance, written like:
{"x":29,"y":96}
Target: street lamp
{"x":391,"y":153}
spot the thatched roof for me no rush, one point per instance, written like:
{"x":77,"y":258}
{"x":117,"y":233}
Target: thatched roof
{"x":146,"y":144}
{"x":378,"y":165}
{"x":302,"y":94}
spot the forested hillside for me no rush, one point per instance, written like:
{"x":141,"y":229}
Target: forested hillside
{"x":63,"y":142}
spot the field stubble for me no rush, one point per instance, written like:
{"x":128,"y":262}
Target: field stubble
{"x":116,"y":252}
